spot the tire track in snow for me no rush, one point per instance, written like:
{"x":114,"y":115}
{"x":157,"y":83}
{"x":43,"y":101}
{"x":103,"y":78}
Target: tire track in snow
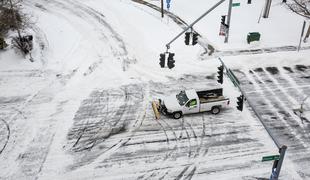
{"x":189,"y":170}
{"x":273,"y":109}
{"x":117,"y":46}
{"x":203,"y":134}
{"x":108,"y":118}
{"x":163,"y":128}
{"x":281,"y":83}
{"x":282,"y":112}
{"x":179,"y":176}
{"x":8,"y":135}
{"x":147,"y":150}
{"x":270,"y":101}
{"x":119,"y":114}
{"x":123,"y":141}
{"x":186,"y":173}
{"x":182,"y":123}
{"x":103,"y":31}
{"x":121,"y":111}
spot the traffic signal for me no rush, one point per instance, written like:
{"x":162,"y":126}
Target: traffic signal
{"x":187,"y":37}
{"x":223,"y":19}
{"x":220,"y":74}
{"x":162,"y":60}
{"x":195,"y":38}
{"x":171,"y":61}
{"x":240,"y":102}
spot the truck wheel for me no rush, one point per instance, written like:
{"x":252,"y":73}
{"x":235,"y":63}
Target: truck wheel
{"x":215,"y":110}
{"x":177,"y":115}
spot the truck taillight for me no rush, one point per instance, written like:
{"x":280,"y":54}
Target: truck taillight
{"x":228,"y":102}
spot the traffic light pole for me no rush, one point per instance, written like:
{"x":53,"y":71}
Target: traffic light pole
{"x":282,"y":151}
{"x":191,"y":25}
{"x":228,"y":21}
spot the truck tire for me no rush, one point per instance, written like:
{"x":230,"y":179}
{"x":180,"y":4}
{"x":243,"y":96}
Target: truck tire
{"x":215,"y":110}
{"x":177,"y":115}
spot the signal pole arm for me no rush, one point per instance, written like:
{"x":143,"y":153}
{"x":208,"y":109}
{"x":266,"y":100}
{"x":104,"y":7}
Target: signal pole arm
{"x":191,"y":25}
{"x":256,"y":113}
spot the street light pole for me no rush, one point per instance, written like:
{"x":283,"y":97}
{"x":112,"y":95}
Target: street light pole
{"x":162,"y":8}
{"x":267,"y":8}
{"x":228,"y":21}
{"x":302,"y":34}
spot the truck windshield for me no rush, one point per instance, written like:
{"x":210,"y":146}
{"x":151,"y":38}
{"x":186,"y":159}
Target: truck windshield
{"x":182,"y":98}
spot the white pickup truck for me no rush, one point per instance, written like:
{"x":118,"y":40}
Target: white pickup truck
{"x":191,"y":101}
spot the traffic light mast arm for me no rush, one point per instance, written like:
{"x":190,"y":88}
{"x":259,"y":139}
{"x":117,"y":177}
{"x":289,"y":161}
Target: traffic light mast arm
{"x":254,"y":110}
{"x":191,"y":25}
{"x":225,"y":67}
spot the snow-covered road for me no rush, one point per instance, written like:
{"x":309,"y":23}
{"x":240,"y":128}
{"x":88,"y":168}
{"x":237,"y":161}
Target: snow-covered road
{"x":275,"y":93}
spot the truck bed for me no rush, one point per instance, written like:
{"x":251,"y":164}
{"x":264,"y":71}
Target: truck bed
{"x":210,"y":95}
{"x":212,"y":92}
{"x":211,"y":99}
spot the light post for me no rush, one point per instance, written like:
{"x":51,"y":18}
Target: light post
{"x":162,"y":8}
{"x":228,"y":21}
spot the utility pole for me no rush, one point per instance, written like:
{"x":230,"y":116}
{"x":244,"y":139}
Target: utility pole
{"x":162,"y":8}
{"x":228,"y":21}
{"x":267,"y":8}
{"x":307,"y":35}
{"x":302,"y":33}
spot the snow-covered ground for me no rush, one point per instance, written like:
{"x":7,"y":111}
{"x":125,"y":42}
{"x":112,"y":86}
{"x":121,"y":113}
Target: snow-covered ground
{"x":82,"y":109}
{"x":281,"y":28}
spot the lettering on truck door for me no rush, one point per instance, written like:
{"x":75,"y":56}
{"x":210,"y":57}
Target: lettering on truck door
{"x":191,"y":107}
{"x":205,"y":106}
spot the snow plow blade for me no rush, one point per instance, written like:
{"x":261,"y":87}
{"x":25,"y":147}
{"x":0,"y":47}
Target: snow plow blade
{"x":155,"y":109}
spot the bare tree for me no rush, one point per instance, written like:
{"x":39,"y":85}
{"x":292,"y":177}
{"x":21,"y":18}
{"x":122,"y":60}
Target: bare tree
{"x":300,"y":7}
{"x":11,"y":17}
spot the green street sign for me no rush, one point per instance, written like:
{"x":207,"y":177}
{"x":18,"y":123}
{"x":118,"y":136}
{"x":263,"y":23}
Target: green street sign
{"x":235,"y":4}
{"x":271,"y":158}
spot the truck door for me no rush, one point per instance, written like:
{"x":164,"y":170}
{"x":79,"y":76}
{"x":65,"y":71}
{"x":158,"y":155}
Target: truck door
{"x":191,"y":107}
